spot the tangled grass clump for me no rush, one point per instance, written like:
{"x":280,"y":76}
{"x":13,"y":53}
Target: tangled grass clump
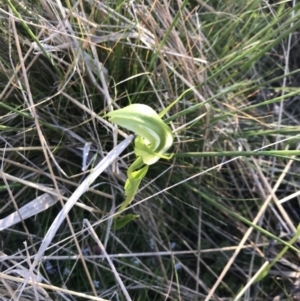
{"x":212,"y":217}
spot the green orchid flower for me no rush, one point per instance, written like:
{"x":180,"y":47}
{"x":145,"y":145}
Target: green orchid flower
{"x":154,"y":138}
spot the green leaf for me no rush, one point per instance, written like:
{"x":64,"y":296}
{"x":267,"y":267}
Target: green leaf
{"x":263,"y":274}
{"x":132,"y":185}
{"x":122,"y":221}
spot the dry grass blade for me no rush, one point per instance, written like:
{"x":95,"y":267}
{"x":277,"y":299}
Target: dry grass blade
{"x":103,"y":251}
{"x":11,"y":282}
{"x":36,"y":206}
{"x":17,"y":281}
{"x":84,"y":186}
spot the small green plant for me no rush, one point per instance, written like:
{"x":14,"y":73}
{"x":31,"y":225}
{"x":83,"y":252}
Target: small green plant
{"x":154,"y":138}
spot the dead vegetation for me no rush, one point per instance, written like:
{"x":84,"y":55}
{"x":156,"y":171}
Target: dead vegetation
{"x":207,"y":224}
